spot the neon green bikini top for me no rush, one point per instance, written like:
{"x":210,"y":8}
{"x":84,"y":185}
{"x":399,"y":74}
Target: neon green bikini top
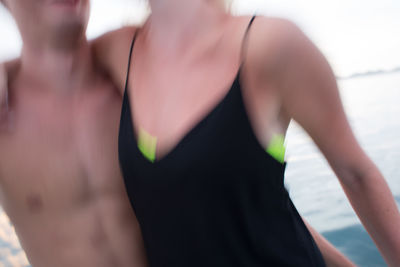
{"x":147,"y":145}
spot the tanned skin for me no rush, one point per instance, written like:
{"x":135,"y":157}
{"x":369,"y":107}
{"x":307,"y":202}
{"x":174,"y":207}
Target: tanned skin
{"x":185,"y":59}
{"x":60,"y":181}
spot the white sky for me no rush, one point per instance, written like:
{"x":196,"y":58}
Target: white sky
{"x":354,"y":35}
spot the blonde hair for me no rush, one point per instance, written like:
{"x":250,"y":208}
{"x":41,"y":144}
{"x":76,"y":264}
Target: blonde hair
{"x":225,"y":4}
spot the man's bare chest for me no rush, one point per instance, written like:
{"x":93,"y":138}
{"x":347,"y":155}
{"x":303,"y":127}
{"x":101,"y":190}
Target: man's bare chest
{"x":62,"y":157}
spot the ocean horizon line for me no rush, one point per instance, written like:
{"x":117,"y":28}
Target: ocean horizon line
{"x":368,"y":73}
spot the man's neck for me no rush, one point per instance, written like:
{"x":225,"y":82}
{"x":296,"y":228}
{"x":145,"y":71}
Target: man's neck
{"x":57,"y":69}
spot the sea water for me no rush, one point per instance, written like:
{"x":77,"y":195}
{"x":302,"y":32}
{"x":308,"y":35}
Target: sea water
{"x":372,"y":106}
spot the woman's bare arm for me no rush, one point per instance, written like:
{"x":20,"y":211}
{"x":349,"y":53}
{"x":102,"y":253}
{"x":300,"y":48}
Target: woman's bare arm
{"x":310,"y":95}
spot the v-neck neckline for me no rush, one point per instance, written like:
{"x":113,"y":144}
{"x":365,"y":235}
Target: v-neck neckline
{"x":192,"y":130}
{"x":201,"y":122}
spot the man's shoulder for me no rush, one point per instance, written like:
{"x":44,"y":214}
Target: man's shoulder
{"x":7,"y":71}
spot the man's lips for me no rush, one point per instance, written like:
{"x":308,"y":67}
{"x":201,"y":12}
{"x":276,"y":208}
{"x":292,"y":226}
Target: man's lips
{"x":65,"y":2}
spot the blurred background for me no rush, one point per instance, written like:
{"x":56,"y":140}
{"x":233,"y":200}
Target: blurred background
{"x":361,"y":40}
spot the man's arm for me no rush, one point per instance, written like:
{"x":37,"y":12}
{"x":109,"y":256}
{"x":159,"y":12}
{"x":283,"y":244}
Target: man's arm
{"x":332,"y":256}
{"x":7,"y":71}
{"x":3,"y":95}
{"x":111,"y":53}
{"x":309,"y":94}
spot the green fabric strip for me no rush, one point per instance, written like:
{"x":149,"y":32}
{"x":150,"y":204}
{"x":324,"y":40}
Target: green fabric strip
{"x":147,"y":144}
{"x":276,"y":147}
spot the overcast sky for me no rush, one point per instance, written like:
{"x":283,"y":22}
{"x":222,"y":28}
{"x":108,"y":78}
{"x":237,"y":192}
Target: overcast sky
{"x":355,"y":35}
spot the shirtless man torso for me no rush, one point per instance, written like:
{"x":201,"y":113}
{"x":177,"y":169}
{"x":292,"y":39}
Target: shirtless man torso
{"x":60,"y":181}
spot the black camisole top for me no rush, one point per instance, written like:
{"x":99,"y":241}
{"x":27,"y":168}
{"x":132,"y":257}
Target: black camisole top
{"x":217,"y":199}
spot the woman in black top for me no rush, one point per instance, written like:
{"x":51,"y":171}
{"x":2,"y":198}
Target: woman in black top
{"x":206,"y":95}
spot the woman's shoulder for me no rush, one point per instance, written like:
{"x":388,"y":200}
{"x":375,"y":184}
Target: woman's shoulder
{"x":274,"y":42}
{"x":274,"y":37}
{"x":275,"y":28}
{"x":281,"y":54}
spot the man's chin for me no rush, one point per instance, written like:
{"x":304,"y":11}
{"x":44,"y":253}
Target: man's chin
{"x":67,"y":33}
{"x":66,"y":6}
{"x":66,"y":12}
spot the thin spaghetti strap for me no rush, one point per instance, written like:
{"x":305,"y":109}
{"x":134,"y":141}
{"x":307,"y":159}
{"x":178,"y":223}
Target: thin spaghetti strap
{"x":245,"y":40}
{"x":129,"y":61}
